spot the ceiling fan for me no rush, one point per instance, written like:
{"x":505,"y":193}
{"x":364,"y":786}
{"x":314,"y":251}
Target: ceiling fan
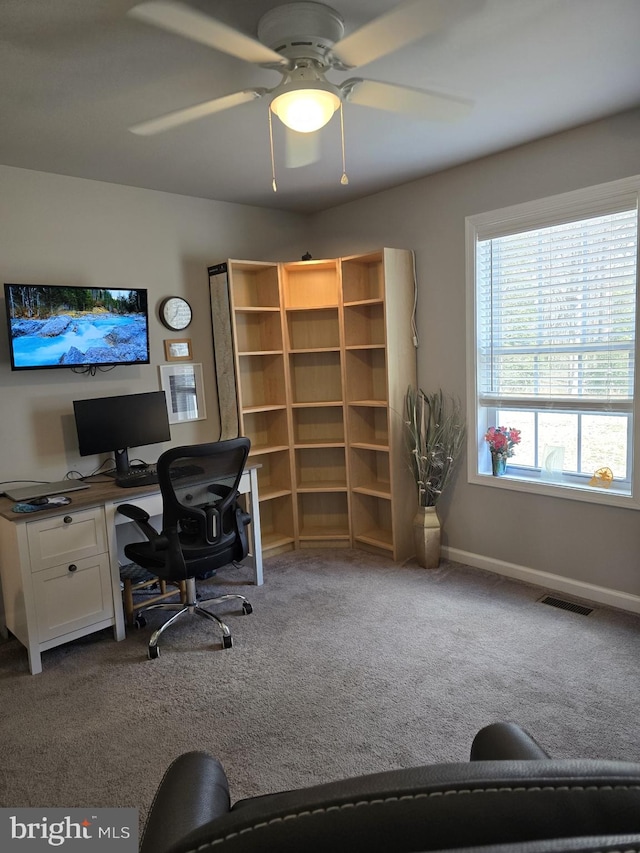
{"x":304,"y":41}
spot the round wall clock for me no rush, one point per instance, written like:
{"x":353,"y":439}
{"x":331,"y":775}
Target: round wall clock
{"x":175,"y":313}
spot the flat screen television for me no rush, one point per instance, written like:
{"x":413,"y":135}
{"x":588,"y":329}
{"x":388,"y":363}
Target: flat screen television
{"x":115,"y":424}
{"x":76,"y":327}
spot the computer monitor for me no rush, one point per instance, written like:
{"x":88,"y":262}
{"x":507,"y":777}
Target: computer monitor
{"x":115,"y":424}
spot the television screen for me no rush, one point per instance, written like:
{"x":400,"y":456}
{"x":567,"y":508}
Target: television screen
{"x":58,"y":326}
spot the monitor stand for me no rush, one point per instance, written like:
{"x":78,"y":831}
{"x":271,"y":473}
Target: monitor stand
{"x":122,"y":464}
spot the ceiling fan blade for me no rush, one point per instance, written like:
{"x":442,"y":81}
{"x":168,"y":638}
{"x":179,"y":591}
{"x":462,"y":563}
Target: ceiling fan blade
{"x":207,"y":108}
{"x":301,"y":149}
{"x":178,"y":18}
{"x":421,"y":103}
{"x":407,"y":22}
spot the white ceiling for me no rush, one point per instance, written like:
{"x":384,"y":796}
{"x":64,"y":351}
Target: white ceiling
{"x":75,"y":74}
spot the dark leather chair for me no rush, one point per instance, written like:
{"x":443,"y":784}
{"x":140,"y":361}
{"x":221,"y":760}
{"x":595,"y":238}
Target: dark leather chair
{"x":203,"y":527}
{"x":511,"y":798}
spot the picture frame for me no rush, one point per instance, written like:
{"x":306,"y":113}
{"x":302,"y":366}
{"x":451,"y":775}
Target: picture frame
{"x":184,"y":389}
{"x":178,"y":349}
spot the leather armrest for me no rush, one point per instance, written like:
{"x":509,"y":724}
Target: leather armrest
{"x":435,"y":808}
{"x":193,"y":791}
{"x":505,"y":742}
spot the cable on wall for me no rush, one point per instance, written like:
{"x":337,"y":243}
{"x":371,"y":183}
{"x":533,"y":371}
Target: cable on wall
{"x":414,"y":328}
{"x":92,"y":369}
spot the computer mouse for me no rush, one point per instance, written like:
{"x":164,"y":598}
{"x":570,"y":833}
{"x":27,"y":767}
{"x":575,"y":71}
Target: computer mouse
{"x":38,"y":501}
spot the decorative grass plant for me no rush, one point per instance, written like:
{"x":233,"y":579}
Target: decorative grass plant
{"x":436,"y":430}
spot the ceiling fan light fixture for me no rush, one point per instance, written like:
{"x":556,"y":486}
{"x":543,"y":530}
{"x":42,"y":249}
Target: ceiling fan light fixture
{"x":305,"y":110}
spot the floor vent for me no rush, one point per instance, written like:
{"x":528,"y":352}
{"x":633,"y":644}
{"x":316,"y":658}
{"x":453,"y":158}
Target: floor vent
{"x":566,"y":605}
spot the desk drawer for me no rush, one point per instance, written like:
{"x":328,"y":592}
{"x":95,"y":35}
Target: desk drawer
{"x":69,"y":598}
{"x":66,"y":538}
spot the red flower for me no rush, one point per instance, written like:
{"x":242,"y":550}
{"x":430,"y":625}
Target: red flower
{"x":499,"y":441}
{"x":502,"y":439}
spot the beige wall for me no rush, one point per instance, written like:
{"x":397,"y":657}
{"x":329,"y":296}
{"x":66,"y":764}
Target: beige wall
{"x":584,"y":543}
{"x":60,"y":230}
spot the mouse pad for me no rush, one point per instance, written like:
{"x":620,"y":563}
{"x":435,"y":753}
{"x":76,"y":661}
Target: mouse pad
{"x":41,"y":503}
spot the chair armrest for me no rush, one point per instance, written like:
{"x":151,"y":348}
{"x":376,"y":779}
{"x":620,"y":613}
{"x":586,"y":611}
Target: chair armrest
{"x":504,"y":742}
{"x":141,"y":519}
{"x":193,"y":791}
{"x":242,"y":520}
{"x":490,"y":806}
{"x":135,"y":513}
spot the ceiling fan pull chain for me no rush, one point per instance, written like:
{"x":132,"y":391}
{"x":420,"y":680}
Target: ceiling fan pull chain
{"x":344,"y":180}
{"x":273,"y":162}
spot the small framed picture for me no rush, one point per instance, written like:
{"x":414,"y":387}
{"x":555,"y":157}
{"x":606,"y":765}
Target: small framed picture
{"x":184,"y":390}
{"x":178,"y":349}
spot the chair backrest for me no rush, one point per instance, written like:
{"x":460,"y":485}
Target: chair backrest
{"x":199,"y":486}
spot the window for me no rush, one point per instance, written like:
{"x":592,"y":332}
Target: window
{"x":552,"y":316}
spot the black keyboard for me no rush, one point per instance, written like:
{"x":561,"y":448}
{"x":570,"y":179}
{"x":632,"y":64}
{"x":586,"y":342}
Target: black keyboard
{"x":138,"y":477}
{"x":149,"y":476}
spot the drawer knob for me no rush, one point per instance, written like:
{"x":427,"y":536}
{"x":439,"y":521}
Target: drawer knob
{"x":73,"y":567}
{"x":67,"y":519}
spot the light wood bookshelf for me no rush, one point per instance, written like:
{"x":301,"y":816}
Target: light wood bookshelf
{"x":378,"y":303}
{"x":262,"y":388}
{"x":323,"y":358}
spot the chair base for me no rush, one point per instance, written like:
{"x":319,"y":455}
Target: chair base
{"x":191,"y":604}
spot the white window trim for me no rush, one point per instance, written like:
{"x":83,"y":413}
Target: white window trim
{"x":600,"y":199}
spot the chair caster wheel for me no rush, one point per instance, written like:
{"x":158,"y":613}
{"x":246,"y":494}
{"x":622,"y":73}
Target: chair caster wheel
{"x":153,"y":652}
{"x":227,"y":642}
{"x":247,"y":608}
{"x":139,"y":622}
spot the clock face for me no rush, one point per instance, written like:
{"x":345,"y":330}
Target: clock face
{"x":175,"y":313}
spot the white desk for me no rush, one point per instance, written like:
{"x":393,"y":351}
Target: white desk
{"x":60,"y":569}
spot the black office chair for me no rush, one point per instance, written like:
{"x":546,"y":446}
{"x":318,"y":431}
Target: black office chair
{"x":203,"y":527}
{"x":510,"y":798}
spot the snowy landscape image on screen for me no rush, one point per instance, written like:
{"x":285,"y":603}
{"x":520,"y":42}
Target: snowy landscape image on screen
{"x":66,"y":326}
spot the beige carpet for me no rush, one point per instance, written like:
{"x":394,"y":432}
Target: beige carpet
{"x":349,"y":664}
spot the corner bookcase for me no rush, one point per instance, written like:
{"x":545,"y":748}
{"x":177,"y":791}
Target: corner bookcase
{"x":323,"y":355}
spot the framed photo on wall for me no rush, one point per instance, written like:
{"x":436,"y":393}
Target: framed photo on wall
{"x":184,"y":390}
{"x":178,"y":349}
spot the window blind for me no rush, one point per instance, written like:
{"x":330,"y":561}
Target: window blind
{"x":556,"y":314}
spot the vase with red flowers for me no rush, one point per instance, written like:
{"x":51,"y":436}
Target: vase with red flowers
{"x":501,"y":441}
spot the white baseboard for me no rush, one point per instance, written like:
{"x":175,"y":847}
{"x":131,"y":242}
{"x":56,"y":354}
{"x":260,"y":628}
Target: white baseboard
{"x":546,"y":580}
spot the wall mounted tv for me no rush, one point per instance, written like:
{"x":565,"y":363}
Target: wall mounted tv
{"x":76,"y":327}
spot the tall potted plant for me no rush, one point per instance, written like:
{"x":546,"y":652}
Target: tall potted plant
{"x":436,"y":430}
